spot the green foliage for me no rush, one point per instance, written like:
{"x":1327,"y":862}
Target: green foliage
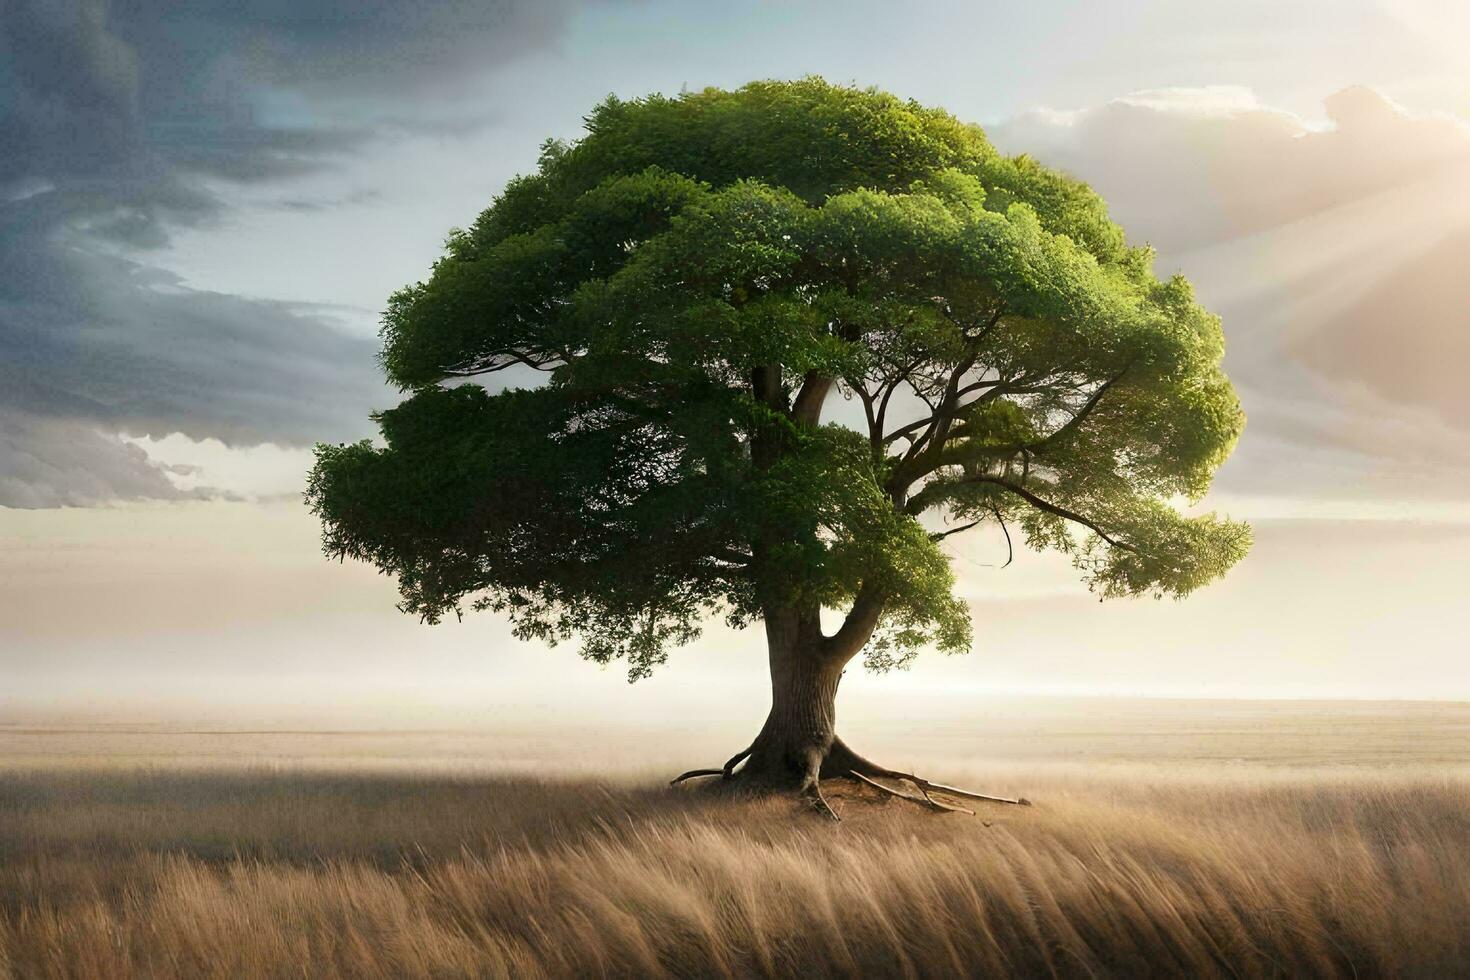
{"x":686,"y":269}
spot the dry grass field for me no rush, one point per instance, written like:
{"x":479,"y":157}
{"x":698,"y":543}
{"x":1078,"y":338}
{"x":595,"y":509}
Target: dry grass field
{"x":1246,"y":845}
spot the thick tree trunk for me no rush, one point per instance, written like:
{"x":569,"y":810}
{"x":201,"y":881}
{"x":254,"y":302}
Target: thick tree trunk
{"x":798,"y":746}
{"x":800,"y":729}
{"x":799,"y":732}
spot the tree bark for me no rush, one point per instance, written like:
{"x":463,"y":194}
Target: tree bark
{"x":798,"y":746}
{"x":800,"y":729}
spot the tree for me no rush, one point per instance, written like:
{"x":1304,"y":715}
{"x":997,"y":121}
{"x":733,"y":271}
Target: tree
{"x":698,"y":281}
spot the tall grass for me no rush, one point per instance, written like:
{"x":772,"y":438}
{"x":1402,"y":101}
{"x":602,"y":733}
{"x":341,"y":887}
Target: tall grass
{"x":114,"y":874}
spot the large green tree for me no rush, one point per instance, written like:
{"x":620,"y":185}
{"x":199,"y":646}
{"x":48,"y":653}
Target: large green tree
{"x":685,"y":299}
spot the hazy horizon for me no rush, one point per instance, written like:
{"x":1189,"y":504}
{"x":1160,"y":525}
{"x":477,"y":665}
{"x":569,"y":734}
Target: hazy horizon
{"x":192,"y":254}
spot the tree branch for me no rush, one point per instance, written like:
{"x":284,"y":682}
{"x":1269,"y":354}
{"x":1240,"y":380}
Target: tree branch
{"x":932,"y":438}
{"x":488,"y":364}
{"x":765,"y":385}
{"x":906,"y":474}
{"x":918,"y":504}
{"x":941,"y":535}
{"x":1080,"y":416}
{"x":1010,"y":548}
{"x":948,"y":408}
{"x":997,"y":388}
{"x":731,"y":555}
{"x":807,"y":410}
{"x":888,"y":390}
{"x":915,"y":426}
{"x":874,"y":433}
{"x":861,"y":620}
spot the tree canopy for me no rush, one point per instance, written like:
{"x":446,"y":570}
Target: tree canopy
{"x":694,"y":280}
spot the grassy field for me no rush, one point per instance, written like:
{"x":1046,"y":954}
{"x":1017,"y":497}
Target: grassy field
{"x":1166,"y":840}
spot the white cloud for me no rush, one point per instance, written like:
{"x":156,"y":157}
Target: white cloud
{"x":208,"y":466}
{"x":1206,"y":100}
{"x":1334,"y":255}
{"x":1188,"y":167}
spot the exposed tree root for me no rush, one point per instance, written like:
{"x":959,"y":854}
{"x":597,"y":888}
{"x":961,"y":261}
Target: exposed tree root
{"x":694,"y":774}
{"x":727,"y":771}
{"x":841,"y":762}
{"x":812,"y":796}
{"x":811,"y":787}
{"x":925,"y":785}
{"x":926,"y":800}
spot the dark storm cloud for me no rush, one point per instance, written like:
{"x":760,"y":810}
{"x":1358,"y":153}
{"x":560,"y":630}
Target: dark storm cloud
{"x":135,"y":85}
{"x":95,"y":336}
{"x":109,"y":116}
{"x":338,"y":46}
{"x":80,"y":466}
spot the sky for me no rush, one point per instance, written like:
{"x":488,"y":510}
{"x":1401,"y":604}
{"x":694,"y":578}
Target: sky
{"x":204,"y":206}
